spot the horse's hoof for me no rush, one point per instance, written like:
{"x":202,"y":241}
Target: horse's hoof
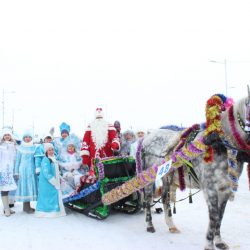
{"x":174,"y":230}
{"x":222,"y":245}
{"x":150,"y":229}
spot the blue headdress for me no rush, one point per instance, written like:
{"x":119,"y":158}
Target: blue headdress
{"x":64,"y":127}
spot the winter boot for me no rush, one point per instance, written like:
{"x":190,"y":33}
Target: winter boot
{"x":27,"y":208}
{"x":5,"y":200}
{"x":11,"y":201}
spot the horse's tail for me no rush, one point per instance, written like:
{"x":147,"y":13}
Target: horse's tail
{"x":138,"y":157}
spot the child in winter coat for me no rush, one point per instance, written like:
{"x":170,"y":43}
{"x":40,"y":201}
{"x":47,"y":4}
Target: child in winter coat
{"x":49,"y":203}
{"x":40,"y":153}
{"x":25,"y":173}
{"x":7,"y":163}
{"x":70,"y":163}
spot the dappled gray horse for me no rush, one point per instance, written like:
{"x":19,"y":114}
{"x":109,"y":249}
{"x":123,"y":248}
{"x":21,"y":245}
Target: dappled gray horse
{"x":217,"y":179}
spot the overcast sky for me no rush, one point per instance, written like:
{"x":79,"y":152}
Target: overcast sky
{"x":145,"y":62}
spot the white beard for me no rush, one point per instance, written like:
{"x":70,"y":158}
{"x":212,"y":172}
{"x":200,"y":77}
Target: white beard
{"x":99,"y":132}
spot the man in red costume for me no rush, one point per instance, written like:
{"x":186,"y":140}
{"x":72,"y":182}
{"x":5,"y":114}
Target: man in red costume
{"x":100,"y":140}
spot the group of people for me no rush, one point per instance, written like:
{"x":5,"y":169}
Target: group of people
{"x":57,"y":168}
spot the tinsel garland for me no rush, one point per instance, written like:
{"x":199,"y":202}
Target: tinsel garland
{"x":184,"y":136}
{"x":129,"y":187}
{"x":214,"y":107}
{"x":181,"y":178}
{"x":184,"y":152}
{"x":83,"y":193}
{"x":188,"y":153}
{"x":232,"y":168}
{"x":100,"y":168}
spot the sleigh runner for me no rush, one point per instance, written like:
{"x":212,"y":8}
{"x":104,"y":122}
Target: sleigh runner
{"x":110,"y":172}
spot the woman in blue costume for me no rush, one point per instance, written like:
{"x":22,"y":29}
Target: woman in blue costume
{"x":49,"y":203}
{"x":25,"y":173}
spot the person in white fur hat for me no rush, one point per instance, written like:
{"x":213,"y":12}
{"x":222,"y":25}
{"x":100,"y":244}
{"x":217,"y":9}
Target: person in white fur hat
{"x":7,"y":163}
{"x":133,"y":147}
{"x":25,"y":172}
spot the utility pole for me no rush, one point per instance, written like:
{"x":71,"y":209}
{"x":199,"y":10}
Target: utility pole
{"x":3,"y":103}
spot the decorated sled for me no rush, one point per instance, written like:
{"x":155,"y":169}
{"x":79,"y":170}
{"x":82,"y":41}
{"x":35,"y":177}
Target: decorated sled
{"x":111,"y":172}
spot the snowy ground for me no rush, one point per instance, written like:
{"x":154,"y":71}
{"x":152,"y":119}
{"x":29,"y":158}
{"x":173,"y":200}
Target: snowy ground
{"x":119,"y":231}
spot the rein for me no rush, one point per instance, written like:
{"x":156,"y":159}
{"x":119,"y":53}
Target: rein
{"x":158,"y":156}
{"x":159,"y":200}
{"x":227,"y":145}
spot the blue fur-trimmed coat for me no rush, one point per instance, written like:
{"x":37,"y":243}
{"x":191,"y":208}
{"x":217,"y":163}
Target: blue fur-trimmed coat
{"x":49,"y":203}
{"x":25,"y":170}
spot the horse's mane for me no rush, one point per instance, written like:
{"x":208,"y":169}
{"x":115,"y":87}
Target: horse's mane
{"x":240,"y":106}
{"x":172,"y":127}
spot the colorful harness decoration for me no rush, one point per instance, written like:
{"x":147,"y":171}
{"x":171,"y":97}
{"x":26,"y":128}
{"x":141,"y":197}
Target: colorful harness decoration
{"x":214,"y":107}
{"x":190,"y":148}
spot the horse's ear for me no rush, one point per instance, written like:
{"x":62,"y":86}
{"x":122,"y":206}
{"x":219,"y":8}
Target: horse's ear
{"x":248,"y":95}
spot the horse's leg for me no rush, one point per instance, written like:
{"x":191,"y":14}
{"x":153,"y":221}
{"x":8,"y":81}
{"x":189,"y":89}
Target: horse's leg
{"x":219,"y":243}
{"x":213,"y":210}
{"x":148,"y":196}
{"x":168,"y":191}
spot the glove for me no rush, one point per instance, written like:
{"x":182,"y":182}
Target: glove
{"x":16,"y":177}
{"x":91,"y":172}
{"x":68,"y":175}
{"x":38,"y":171}
{"x":86,"y":160}
{"x":114,"y":146}
{"x":55,"y":183}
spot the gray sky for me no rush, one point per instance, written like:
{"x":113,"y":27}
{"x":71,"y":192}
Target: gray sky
{"x":145,"y":62}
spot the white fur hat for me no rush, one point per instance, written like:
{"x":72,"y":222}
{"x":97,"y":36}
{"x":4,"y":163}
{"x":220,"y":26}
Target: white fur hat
{"x":7,"y":130}
{"x":28,"y":133}
{"x":47,"y":146}
{"x":98,"y":113}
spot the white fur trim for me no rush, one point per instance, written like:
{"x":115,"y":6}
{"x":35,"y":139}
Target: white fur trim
{"x":117,"y":141}
{"x":84,"y":152}
{"x":40,"y":214}
{"x":6,"y":131}
{"x":111,"y":128}
{"x":47,"y":146}
{"x":54,"y":182}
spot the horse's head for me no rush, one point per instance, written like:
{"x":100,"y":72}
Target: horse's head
{"x":247,"y":114}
